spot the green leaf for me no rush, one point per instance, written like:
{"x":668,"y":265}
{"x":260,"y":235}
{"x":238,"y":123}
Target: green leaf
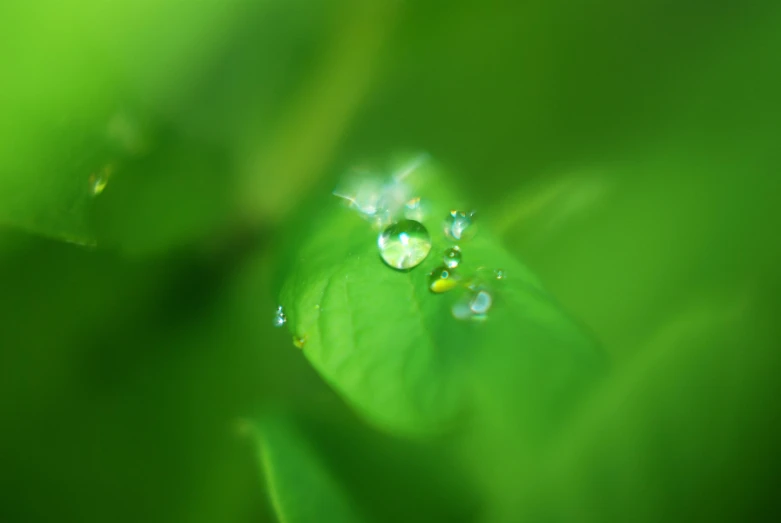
{"x":300,"y":486}
{"x":394,"y":350}
{"x":74,"y":101}
{"x":683,"y":430}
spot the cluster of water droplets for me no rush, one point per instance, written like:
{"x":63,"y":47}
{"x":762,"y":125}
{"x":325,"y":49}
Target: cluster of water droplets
{"x":404,"y":242}
{"x":475,"y":290}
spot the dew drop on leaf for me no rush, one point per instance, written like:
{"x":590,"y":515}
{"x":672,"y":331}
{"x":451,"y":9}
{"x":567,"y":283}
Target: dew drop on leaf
{"x":452,"y":257}
{"x":299,"y":341}
{"x":458,"y":225}
{"x":279,"y":317}
{"x":473,"y":306}
{"x":442,"y":279}
{"x":481,"y":302}
{"x":404,"y":245}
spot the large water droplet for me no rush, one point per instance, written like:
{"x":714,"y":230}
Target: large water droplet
{"x":453,"y":257}
{"x":404,"y":244}
{"x":442,"y":279}
{"x":458,"y":225}
{"x":279,"y":317}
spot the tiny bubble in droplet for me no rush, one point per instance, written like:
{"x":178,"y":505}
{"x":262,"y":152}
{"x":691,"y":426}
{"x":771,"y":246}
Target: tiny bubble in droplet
{"x":499,"y":273}
{"x":452,"y":257}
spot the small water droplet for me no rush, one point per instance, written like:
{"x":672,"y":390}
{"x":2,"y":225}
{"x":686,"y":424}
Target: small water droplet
{"x":481,"y":302}
{"x":99,"y":179}
{"x":279,"y":317}
{"x":453,"y":257}
{"x":442,"y":279}
{"x":461,"y":310}
{"x":299,"y":341}
{"x":458,"y":225}
{"x":415,"y":210}
{"x":404,"y":245}
{"x":473,"y":305}
{"x":499,"y":273}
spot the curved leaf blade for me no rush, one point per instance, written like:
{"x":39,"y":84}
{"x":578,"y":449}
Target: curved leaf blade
{"x":300,"y":486}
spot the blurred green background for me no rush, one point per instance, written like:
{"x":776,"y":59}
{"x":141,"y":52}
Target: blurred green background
{"x":156,"y":156}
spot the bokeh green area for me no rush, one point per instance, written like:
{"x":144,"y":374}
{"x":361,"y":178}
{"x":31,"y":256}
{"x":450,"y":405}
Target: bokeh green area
{"x":627,"y":152}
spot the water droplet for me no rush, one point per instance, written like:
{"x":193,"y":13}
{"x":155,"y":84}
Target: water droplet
{"x":499,"y":273}
{"x":299,"y":341}
{"x":442,"y":279}
{"x":473,"y":305}
{"x":461,"y":310}
{"x":453,"y":257}
{"x":376,"y":200}
{"x":458,"y":225}
{"x":481,"y":302}
{"x":414,"y":210}
{"x":99,"y":179}
{"x":279,"y":317}
{"x":405,"y":244}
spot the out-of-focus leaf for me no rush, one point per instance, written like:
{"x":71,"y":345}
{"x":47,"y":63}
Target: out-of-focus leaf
{"x":166,"y":199}
{"x":300,"y":486}
{"x":686,"y":430}
{"x":394,"y":350}
{"x":70,"y":72}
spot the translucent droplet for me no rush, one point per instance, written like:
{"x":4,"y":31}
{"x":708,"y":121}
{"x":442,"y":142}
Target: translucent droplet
{"x":480,"y":302}
{"x":415,"y":210}
{"x":461,"y":310}
{"x":458,"y":225}
{"x":453,"y":257}
{"x":99,"y":179}
{"x":405,"y":244}
{"x":374,"y":199}
{"x":499,"y":273}
{"x":473,"y":305}
{"x":279,"y":317}
{"x":442,"y":279}
{"x":299,"y":341}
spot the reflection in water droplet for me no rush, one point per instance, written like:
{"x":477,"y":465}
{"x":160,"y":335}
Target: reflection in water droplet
{"x":442,"y":279}
{"x":453,"y":257}
{"x":99,"y":179}
{"x":499,"y":274}
{"x":279,"y":317}
{"x":404,"y":244}
{"x":457,"y":224}
{"x":299,"y":341}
